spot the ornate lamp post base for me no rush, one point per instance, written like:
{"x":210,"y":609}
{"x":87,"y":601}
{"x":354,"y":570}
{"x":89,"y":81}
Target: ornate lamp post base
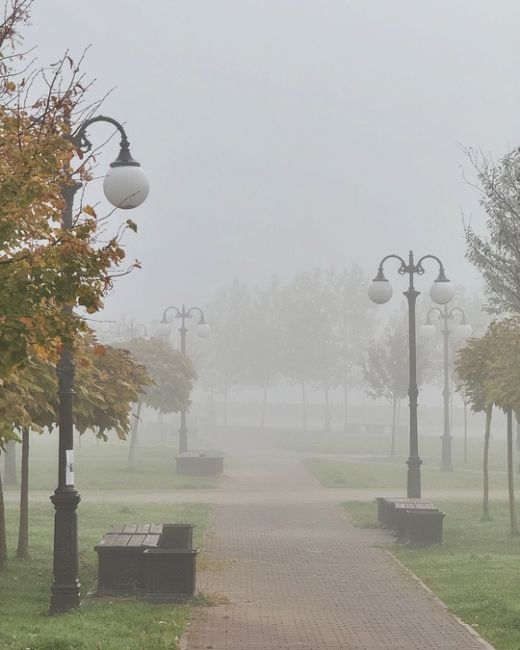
{"x":65,"y":590}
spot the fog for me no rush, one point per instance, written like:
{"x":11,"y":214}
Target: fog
{"x":282,"y":135}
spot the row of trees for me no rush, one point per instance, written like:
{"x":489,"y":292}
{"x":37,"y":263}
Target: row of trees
{"x":310,"y":332}
{"x":318,"y":331}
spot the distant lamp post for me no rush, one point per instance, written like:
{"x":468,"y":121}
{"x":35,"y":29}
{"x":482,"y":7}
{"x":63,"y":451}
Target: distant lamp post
{"x":463,"y":330}
{"x":203,"y":330}
{"x":441,"y":292}
{"x":125,"y":186}
{"x":131,"y":331}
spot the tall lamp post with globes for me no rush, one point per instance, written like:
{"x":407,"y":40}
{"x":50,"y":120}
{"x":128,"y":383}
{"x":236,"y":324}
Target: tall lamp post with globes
{"x":125,"y":186}
{"x":441,"y":292}
{"x":203,"y":330}
{"x":427,"y":331}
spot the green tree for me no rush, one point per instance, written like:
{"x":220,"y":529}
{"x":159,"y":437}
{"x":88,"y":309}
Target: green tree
{"x":172,"y":379}
{"x":353,"y":328}
{"x":497,"y":255}
{"x":488,"y":369}
{"x":385,"y":367}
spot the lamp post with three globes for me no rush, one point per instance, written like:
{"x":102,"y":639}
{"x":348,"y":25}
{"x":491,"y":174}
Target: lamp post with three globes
{"x":441,"y":292}
{"x":203,"y":330}
{"x":428,"y":330}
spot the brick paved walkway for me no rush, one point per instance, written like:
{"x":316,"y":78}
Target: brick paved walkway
{"x":298,"y":576}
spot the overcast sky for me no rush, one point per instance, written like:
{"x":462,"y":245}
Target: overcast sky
{"x":280,"y":135}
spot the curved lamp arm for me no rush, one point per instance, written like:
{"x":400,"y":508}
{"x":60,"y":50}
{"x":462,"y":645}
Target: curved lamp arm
{"x":202,"y":320}
{"x":453,"y":310}
{"x":431,"y":311}
{"x":402,"y":269}
{"x":80,"y":140}
{"x":164,"y":318}
{"x":420,"y":269}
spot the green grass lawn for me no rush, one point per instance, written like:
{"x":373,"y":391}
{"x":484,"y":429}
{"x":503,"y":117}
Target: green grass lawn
{"x":101,"y":623}
{"x":475,"y":570}
{"x":337,"y":442}
{"x":353,"y":474}
{"x":104,"y":465}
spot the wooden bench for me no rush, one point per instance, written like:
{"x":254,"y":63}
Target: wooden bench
{"x":119,"y":555}
{"x":124,"y":569}
{"x":199,"y":463}
{"x":415,"y":521}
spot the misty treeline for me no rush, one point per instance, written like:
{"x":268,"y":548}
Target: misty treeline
{"x":318,"y":331}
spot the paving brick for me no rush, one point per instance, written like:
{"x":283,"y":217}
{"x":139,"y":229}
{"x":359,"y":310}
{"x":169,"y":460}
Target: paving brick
{"x":299,"y":576}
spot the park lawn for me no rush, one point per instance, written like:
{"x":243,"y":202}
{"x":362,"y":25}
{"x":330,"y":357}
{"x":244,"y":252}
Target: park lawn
{"x":101,"y":623}
{"x":356,"y":474}
{"x":104,"y":466}
{"x":475,"y":570}
{"x":338,"y":442}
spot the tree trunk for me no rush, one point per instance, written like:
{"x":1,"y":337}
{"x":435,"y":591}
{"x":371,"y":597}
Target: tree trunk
{"x":485,"y":465}
{"x":3,"y":539}
{"x":517,"y":435}
{"x":23,"y":530}
{"x":160,"y":422}
{"x":394,"y":425}
{"x":327,"y":407}
{"x":212,"y":411}
{"x":10,"y":477}
{"x":133,"y":435}
{"x":304,"y":407}
{"x":345,"y":408}
{"x":512,"y":506}
{"x":264,"y":407}
{"x":465,"y":430}
{"x":225,"y":403}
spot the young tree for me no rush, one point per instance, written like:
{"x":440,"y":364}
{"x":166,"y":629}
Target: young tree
{"x":385,"y":371}
{"x":309,"y":350}
{"x":497,"y":255}
{"x":229,"y":348}
{"x":473,"y":371}
{"x":263,"y":363}
{"x":172,"y":378}
{"x":489,"y":370}
{"x":109,"y":381}
{"x":353,"y":328}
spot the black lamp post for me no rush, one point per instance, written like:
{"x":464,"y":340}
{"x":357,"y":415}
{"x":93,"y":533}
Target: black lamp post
{"x":203,"y":330}
{"x":441,"y":292}
{"x":427,"y":330}
{"x":125,"y":186}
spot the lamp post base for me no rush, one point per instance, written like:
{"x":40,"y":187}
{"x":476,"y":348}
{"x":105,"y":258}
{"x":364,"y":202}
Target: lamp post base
{"x":65,"y":590}
{"x":413,"y":487}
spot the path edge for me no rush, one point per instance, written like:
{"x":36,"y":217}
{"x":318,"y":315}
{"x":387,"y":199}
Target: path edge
{"x":485,"y":644}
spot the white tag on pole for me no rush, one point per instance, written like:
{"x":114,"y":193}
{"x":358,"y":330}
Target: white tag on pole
{"x":69,"y":467}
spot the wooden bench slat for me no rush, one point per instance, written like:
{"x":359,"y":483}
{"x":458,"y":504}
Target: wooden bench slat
{"x":151,"y":540}
{"x":129,"y":528}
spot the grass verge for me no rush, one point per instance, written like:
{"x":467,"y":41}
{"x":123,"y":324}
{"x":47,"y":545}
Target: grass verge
{"x":355,"y":474}
{"x":475,"y":570}
{"x":104,"y":466}
{"x":101,"y":623}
